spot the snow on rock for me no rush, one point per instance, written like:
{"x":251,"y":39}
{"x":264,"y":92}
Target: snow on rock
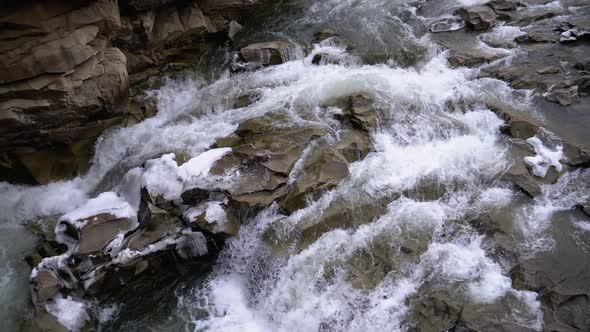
{"x":545,"y":157}
{"x":164,"y":177}
{"x":69,"y":313}
{"x":107,"y":202}
{"x":161,"y":177}
{"x":200,"y":165}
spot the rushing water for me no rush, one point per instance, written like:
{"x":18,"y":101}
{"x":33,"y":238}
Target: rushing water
{"x":434,"y":131}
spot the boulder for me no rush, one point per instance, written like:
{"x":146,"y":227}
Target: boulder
{"x":42,"y":321}
{"x":99,"y":231}
{"x":322,"y":171}
{"x":477,"y":17}
{"x":213,"y":217}
{"x":266,"y":54}
{"x":45,"y":285}
{"x":158,"y":225}
{"x":464,"y":49}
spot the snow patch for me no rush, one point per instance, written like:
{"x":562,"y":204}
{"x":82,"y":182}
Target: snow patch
{"x":107,"y":202}
{"x":545,"y":157}
{"x":164,"y":177}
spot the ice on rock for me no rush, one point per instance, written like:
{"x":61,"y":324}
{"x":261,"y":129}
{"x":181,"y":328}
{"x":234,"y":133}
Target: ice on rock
{"x":161,"y":177}
{"x":545,"y":157}
{"x":164,"y":177}
{"x":107,"y":202}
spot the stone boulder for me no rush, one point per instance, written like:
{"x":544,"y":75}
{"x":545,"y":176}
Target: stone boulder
{"x":478,"y":17}
{"x":322,"y":171}
{"x":266,"y":54}
{"x":99,"y":231}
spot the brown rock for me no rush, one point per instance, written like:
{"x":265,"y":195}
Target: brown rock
{"x":477,"y":17}
{"x":322,"y":171}
{"x":266,"y":54}
{"x":99,"y":231}
{"x":45,"y":285}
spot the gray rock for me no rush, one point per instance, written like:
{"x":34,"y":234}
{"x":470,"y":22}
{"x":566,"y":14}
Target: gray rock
{"x":99,"y":231}
{"x":45,"y":286}
{"x":266,"y":54}
{"x":159,"y":224}
{"x":477,"y":17}
{"x":322,"y":170}
{"x":42,"y":321}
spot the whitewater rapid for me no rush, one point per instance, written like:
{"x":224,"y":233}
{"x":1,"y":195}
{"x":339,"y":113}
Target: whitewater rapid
{"x":435,"y":127}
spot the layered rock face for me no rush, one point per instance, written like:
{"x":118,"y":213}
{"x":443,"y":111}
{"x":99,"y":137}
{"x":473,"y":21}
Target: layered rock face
{"x":66,"y":69}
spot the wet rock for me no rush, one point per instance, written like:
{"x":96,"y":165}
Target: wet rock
{"x":42,"y":321}
{"x":322,"y":171}
{"x":45,"y":285}
{"x":360,"y":112}
{"x":246,"y":100}
{"x":354,"y":144}
{"x":285,"y":238}
{"x":99,"y":231}
{"x":573,"y":312}
{"x":324,"y":34}
{"x":434,"y":313}
{"x":545,"y":31}
{"x":194,"y":196}
{"x":564,"y":97}
{"x":465,"y":49}
{"x":214,"y":218}
{"x":266,"y":54}
{"x":160,"y":224}
{"x":546,"y":70}
{"x":505,"y":5}
{"x":447,"y":24}
{"x":551,"y":270}
{"x":477,"y":17}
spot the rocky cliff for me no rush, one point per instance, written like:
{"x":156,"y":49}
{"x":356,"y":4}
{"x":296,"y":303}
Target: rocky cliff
{"x":66,"y":69}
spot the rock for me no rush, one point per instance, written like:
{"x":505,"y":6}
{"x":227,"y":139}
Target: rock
{"x":234,"y":29}
{"x":64,"y":72}
{"x":99,"y":231}
{"x":45,"y":286}
{"x":361,"y":113}
{"x":505,"y":5}
{"x":213,"y":217}
{"x":159,"y":224}
{"x":42,"y":321}
{"x":354,"y":144}
{"x":546,"y":70}
{"x":284,"y":238}
{"x":464,"y":49}
{"x":322,"y":171}
{"x":564,"y":97}
{"x":266,"y":54}
{"x":435,"y":313}
{"x":477,"y":17}
{"x":446,"y":24}
{"x":245,"y":100}
{"x":141,"y":5}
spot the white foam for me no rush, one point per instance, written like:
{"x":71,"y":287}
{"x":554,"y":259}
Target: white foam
{"x":545,"y":157}
{"x":502,"y":35}
{"x":583,"y":225}
{"x":69,"y":312}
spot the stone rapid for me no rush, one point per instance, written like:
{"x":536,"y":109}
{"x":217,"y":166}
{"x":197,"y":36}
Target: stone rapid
{"x":338,"y":165}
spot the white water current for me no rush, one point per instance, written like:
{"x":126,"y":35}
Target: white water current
{"x":434,"y":130}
